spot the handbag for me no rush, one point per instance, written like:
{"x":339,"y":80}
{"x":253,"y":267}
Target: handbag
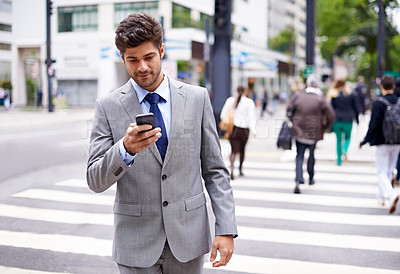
{"x":285,"y":137}
{"x":226,"y":124}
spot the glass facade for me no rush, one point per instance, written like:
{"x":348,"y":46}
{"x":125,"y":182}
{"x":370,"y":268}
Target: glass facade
{"x":77,"y":18}
{"x":122,"y":10}
{"x":180,"y":16}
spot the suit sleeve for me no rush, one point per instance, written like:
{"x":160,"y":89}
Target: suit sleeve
{"x":105,"y":165}
{"x":216,"y":175}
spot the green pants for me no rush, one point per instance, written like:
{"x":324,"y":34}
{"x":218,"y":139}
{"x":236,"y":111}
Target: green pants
{"x":343,"y":134}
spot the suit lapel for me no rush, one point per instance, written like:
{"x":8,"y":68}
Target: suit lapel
{"x":178,"y":99}
{"x":131,"y":104}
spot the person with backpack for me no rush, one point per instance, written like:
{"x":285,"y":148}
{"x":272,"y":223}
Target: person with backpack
{"x":383,"y":118}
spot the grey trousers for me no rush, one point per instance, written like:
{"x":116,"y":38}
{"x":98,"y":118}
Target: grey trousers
{"x":167,"y":264}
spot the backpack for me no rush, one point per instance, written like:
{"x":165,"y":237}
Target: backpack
{"x":391,"y":121}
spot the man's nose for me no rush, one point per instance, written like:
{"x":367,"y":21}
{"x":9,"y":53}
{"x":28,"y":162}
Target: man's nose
{"x":143,"y":66}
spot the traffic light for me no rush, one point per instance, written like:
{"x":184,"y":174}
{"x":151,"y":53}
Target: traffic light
{"x":220,"y":12}
{"x":49,"y":7}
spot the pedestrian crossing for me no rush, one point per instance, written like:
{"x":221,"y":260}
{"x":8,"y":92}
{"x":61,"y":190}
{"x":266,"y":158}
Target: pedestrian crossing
{"x":334,"y":226}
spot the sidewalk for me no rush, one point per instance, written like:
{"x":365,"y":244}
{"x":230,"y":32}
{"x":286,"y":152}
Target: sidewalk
{"x":21,"y":118}
{"x":262,"y":147}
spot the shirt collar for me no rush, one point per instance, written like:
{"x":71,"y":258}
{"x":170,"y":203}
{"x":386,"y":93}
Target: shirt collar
{"x":162,"y":90}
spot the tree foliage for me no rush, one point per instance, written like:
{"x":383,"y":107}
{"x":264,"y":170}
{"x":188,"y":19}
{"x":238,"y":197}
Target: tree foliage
{"x":351,"y":26}
{"x":284,"y":41}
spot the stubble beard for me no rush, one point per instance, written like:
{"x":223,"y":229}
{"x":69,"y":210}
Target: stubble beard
{"x":148,"y":82}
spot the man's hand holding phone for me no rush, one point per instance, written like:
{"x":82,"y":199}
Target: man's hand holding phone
{"x":141,"y":134}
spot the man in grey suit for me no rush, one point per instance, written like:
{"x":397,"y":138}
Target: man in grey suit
{"x":160,"y":215}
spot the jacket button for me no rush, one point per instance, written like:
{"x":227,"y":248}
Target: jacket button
{"x":164,"y":177}
{"x":165,"y":203}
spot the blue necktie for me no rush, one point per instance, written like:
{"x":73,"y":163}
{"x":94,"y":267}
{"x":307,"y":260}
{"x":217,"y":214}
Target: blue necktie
{"x":162,"y":142}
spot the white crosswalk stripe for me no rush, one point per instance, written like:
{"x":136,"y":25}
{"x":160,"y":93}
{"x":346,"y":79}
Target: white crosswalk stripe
{"x":341,"y":197}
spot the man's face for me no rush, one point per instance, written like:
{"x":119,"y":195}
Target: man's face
{"x":143,"y":64}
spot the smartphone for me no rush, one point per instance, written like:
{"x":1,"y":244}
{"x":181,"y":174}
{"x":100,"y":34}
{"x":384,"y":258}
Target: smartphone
{"x":146,"y":119}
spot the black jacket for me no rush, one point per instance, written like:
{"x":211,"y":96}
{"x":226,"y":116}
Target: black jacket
{"x":374,"y":134}
{"x":345,"y":107}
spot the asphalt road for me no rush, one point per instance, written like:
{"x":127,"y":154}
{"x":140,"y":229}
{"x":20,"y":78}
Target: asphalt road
{"x":50,"y":222}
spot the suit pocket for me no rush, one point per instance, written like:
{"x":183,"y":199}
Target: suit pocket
{"x":128,"y":209}
{"x":195,"y":201}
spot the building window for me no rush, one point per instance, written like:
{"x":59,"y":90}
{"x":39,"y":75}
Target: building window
{"x":4,"y":46}
{"x":78,"y":18}
{"x":5,"y":27}
{"x":180,"y":16}
{"x":122,"y":10}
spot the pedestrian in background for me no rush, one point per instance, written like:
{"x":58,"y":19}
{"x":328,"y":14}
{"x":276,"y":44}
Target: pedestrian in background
{"x":345,"y":105}
{"x":386,"y":154}
{"x":244,"y":121}
{"x":275,"y":101}
{"x":161,"y":223}
{"x":311,"y":115}
{"x":396,"y":179}
{"x":265,"y":100}
{"x":360,"y":92}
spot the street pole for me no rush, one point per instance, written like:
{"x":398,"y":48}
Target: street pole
{"x":49,"y":61}
{"x":221,"y":80}
{"x":381,"y":39}
{"x":310,"y":34}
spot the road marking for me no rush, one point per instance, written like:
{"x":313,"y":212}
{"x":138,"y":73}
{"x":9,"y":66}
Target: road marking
{"x":75,"y":143}
{"x":317,"y":216}
{"x":345,"y":188}
{"x":55,"y":215}
{"x":319,"y":167}
{"x":100,"y":247}
{"x":13,"y":270}
{"x":81,"y":184}
{"x":260,"y":265}
{"x":66,"y":196}
{"x":72,"y":217}
{"x":102,"y":199}
{"x":309,"y":199}
{"x":319,"y":239}
{"x":261,"y":183}
{"x":57,"y":242}
{"x":328,"y":176}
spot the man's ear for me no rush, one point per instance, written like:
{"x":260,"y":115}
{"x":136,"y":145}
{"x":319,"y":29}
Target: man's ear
{"x":162,"y":51}
{"x":122,"y":57}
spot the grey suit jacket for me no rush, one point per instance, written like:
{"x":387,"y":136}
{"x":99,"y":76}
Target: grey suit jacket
{"x":157,"y":201}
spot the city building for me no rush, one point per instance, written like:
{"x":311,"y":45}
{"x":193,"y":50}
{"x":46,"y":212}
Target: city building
{"x":290,"y":15}
{"x":5,"y":39}
{"x":87,"y":64}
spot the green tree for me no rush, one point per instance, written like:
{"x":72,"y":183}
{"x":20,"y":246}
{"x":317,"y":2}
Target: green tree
{"x":350,"y":28}
{"x":284,"y":41}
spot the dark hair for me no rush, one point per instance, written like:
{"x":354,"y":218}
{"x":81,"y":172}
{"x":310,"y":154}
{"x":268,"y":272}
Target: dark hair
{"x":240,"y":90}
{"x":137,"y":29}
{"x":387,"y":82}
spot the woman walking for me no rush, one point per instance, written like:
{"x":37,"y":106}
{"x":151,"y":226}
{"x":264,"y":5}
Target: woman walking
{"x":244,"y":121}
{"x":345,"y":105}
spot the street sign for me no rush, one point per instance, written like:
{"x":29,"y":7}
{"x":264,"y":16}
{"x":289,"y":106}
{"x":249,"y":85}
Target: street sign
{"x":308,"y":70}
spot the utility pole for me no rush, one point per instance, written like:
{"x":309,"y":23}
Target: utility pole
{"x":221,"y":80}
{"x":49,"y":61}
{"x":310,"y":36}
{"x":381,"y":39}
